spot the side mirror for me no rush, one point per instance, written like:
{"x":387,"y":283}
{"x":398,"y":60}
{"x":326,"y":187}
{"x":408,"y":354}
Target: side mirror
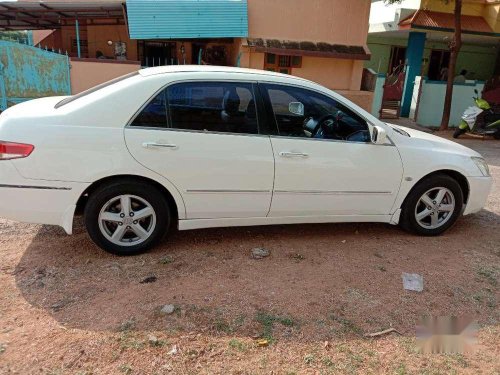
{"x":296,"y":108}
{"x":379,"y":136}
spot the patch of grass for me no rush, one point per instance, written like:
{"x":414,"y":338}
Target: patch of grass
{"x":127,"y":325}
{"x":382,"y":268}
{"x":157,"y":343}
{"x":461,"y":360}
{"x":127,"y":341}
{"x":125,"y":369}
{"x":348,"y":326}
{"x":167,"y":260}
{"x":297,"y":257}
{"x":477,"y":297}
{"x":401,"y":369}
{"x":3,"y":348}
{"x":239,"y":321}
{"x":220,"y":324}
{"x":268,"y":320}
{"x":237,"y":345}
{"x":328,"y":362}
{"x":489,"y":274}
{"x":309,"y":359}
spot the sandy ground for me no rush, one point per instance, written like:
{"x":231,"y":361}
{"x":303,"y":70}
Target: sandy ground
{"x":67,"y":307}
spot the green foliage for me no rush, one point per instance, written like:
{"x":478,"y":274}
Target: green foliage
{"x":268,"y":320}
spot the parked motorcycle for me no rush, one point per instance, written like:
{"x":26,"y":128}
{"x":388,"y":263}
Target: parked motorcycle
{"x":480,"y":119}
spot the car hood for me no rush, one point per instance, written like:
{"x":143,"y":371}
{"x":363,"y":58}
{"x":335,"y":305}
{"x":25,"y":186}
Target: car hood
{"x":434,"y":142}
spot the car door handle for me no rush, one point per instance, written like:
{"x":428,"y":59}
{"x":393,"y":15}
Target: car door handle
{"x":292,"y":154}
{"x":159,"y":145}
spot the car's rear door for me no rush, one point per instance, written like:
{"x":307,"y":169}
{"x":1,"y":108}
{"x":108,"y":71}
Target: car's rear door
{"x":203,"y":136}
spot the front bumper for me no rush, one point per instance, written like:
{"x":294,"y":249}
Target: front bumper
{"x":37,"y":201}
{"x":480,"y":188}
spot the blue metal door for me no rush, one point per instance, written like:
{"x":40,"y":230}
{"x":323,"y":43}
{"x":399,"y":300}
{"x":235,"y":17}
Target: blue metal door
{"x":28,"y":72}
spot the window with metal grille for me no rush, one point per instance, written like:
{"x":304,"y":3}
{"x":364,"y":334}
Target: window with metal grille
{"x":282,"y":63}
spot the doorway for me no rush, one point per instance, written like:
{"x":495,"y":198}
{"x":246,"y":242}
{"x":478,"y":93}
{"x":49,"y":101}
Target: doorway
{"x":438,"y":65}
{"x":195,"y":56}
{"x":158,"y":53}
{"x":397,"y":59}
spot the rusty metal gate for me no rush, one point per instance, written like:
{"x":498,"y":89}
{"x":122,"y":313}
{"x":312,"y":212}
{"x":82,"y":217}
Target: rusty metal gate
{"x":28,"y":72}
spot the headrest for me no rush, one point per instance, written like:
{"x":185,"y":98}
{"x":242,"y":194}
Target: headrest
{"x":231,"y":101}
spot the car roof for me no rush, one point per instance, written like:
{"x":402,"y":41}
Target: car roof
{"x":212,"y":69}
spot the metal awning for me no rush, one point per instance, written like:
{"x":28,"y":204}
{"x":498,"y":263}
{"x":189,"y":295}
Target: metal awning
{"x":306,"y":48}
{"x":174,"y":19}
{"x":53,"y":14}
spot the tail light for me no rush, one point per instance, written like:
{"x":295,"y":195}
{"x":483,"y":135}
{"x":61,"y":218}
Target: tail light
{"x":11,"y":150}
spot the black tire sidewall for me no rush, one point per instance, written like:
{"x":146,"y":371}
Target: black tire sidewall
{"x":458,"y":132}
{"x":408,"y":220}
{"x":147,"y":192}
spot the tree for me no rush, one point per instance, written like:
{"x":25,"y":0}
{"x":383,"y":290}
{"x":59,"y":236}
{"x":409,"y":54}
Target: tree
{"x":454,"y":46}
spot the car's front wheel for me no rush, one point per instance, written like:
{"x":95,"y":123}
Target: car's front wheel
{"x":432,"y":206}
{"x":127,"y":218}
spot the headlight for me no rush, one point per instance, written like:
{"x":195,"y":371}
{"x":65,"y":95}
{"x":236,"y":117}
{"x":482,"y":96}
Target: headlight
{"x":482,"y":165}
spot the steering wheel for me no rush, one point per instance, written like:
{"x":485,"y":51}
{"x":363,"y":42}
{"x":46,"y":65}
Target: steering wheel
{"x":329,"y":126}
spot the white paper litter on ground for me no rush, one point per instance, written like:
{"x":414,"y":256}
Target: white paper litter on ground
{"x":413,"y":281}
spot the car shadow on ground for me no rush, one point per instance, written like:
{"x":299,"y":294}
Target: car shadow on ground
{"x":320,"y":280}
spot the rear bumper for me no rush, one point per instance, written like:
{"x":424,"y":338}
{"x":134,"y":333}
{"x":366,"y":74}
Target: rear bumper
{"x":37,"y":201}
{"x":480,"y":188}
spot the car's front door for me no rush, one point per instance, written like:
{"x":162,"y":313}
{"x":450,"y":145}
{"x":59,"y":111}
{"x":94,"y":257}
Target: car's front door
{"x":325,"y":162}
{"x":204,"y":138}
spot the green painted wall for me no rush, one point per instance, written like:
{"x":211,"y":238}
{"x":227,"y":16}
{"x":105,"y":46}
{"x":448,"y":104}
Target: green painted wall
{"x":478,"y":60}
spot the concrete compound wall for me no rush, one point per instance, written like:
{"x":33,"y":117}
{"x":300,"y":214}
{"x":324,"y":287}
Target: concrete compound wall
{"x":86,"y":73}
{"x":478,"y":60}
{"x":430,"y":98}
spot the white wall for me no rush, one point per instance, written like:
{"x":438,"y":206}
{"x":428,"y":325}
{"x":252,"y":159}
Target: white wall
{"x":430,"y":109}
{"x":381,"y":12}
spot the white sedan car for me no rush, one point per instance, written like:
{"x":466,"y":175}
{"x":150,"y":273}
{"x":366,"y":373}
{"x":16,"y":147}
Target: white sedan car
{"x":201,"y":147}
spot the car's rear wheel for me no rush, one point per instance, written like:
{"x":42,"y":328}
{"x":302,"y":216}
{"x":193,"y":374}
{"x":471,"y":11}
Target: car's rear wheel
{"x":433,"y":206}
{"x":127,"y":218}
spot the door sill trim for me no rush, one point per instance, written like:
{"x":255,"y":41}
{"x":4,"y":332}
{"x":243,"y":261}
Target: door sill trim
{"x":255,"y":221}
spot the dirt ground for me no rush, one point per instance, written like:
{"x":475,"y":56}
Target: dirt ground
{"x":66,"y":307}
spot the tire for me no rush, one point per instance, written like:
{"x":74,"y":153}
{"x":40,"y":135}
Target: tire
{"x":147,"y":220}
{"x":458,"y":132}
{"x":447,"y":212}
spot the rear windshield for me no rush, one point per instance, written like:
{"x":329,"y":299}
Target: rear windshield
{"x":94,"y":89}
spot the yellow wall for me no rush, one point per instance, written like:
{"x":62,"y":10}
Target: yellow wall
{"x":491,"y":14}
{"x":469,"y":7}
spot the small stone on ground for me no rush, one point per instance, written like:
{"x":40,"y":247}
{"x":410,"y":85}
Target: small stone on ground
{"x":167,"y":309}
{"x":259,"y":253}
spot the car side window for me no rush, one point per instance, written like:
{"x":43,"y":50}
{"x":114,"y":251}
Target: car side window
{"x":154,"y":114}
{"x":308,"y":114}
{"x":225,"y":107}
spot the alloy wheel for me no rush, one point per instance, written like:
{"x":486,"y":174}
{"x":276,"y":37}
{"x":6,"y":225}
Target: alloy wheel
{"x":435,"y":208}
{"x":127,"y":220}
